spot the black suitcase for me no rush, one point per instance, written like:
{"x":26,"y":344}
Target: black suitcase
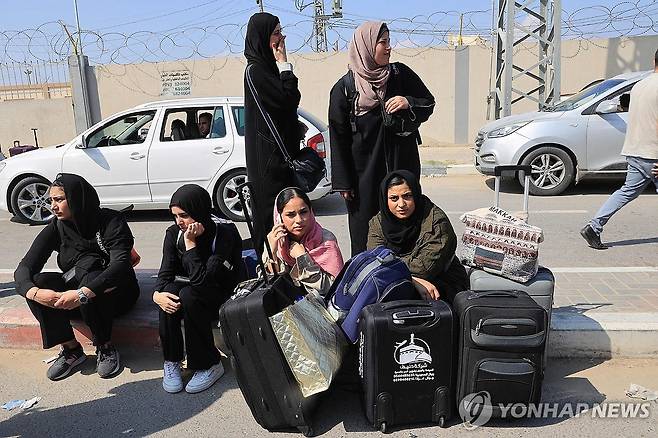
{"x":262,"y":372}
{"x":406,"y":362}
{"x":501,"y":347}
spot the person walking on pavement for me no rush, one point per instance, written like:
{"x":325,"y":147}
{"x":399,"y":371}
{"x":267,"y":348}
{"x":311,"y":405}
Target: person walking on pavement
{"x":374,"y":114}
{"x":98,"y":284}
{"x":201,"y":265}
{"x":641,"y":151}
{"x":272,"y":77}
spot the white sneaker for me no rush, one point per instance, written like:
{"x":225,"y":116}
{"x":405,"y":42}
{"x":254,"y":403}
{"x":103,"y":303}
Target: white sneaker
{"x":172,"y":381}
{"x":204,"y":379}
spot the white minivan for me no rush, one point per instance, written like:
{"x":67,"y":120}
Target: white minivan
{"x":141,"y":156}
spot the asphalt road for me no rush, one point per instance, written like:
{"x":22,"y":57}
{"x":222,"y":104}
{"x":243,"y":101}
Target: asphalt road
{"x":134,"y":404}
{"x":632,"y":232}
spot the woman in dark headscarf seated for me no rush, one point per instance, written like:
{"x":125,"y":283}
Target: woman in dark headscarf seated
{"x":420,"y":233}
{"x":300,"y":245}
{"x":201,"y":265}
{"x":99,"y":283}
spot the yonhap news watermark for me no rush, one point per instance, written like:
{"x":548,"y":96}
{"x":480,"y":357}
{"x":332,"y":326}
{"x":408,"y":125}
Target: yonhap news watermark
{"x":477,"y":409}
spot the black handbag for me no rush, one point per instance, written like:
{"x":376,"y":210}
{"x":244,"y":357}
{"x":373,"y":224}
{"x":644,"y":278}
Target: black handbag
{"x":308,"y":167}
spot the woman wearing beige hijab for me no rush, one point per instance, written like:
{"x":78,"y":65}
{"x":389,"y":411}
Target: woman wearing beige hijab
{"x":374,"y":114}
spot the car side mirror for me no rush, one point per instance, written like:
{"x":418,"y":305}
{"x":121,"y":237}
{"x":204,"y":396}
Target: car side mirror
{"x":606,"y":107}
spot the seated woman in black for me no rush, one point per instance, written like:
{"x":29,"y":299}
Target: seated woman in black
{"x":99,"y":283}
{"x":207,"y":252}
{"x":420,"y":233}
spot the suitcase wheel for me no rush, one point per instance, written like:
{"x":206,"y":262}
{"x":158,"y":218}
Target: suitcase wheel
{"x":382,"y":427}
{"x":306,"y":431}
{"x":442,"y":421}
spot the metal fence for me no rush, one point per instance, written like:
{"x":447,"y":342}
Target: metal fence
{"x":34,"y":80}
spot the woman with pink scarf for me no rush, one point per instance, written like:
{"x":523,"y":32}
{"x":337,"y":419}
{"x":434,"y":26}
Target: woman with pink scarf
{"x":300,"y":246}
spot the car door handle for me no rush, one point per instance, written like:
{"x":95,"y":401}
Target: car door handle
{"x":137,"y":156}
{"x":220,"y":151}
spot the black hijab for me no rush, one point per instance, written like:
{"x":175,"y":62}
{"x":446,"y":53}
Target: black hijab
{"x":257,"y":41}
{"x":84,"y":204}
{"x":401,"y":235}
{"x":196,"y":202}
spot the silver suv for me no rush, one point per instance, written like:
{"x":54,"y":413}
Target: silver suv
{"x":580,"y":137}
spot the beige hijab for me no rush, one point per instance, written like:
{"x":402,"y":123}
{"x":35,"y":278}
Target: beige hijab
{"x":367,"y":73}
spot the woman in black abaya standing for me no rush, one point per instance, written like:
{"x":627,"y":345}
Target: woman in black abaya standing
{"x":272,"y":77}
{"x":374,"y":114}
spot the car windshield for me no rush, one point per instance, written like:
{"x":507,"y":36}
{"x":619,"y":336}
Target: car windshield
{"x":586,"y":95}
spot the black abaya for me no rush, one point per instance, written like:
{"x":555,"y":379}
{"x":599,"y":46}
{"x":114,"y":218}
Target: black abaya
{"x":278,"y":92}
{"x":360,"y":160}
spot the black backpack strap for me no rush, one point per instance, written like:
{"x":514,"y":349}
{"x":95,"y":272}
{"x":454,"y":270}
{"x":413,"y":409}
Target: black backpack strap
{"x":352,"y":97}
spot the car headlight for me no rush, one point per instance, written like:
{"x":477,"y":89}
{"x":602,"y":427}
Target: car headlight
{"x":506,"y":130}
{"x":2,"y":165}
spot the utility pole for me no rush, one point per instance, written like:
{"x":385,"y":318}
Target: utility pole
{"x":82,"y":68}
{"x":260,"y":3}
{"x":460,"y":40}
{"x":320,"y":20}
{"x":320,"y":26}
{"x":539,"y":23}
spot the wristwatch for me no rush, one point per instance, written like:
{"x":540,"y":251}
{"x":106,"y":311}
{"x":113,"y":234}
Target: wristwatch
{"x":82,"y":297}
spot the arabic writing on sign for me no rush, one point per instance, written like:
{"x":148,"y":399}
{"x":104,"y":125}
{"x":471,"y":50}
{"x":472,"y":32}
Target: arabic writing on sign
{"x":176,"y":83}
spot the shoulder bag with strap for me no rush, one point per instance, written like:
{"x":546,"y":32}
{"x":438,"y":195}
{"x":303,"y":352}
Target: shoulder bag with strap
{"x":307,"y":166}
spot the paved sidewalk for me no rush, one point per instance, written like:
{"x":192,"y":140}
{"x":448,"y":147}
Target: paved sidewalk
{"x":598,"y":312}
{"x":447,"y":160}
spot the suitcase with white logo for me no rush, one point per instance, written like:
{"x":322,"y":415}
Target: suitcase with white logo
{"x":406,"y":362}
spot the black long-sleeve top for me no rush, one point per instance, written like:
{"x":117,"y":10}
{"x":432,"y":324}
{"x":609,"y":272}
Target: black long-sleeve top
{"x":359,"y":160}
{"x":214,"y":272}
{"x":85,"y":254}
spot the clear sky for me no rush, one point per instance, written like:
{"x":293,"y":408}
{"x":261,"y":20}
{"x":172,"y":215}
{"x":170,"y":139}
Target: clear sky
{"x":138,"y":30}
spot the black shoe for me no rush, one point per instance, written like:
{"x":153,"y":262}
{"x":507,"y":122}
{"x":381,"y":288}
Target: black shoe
{"x":592,"y":239}
{"x":107,"y":361}
{"x":65,"y":362}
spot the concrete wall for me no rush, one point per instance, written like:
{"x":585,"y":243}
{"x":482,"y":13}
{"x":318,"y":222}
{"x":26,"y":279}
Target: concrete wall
{"x":458,"y":78}
{"x":121,"y":87}
{"x":52,"y":117}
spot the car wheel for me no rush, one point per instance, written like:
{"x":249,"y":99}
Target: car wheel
{"x":226,"y":194}
{"x":552,"y":171}
{"x":29,"y":201}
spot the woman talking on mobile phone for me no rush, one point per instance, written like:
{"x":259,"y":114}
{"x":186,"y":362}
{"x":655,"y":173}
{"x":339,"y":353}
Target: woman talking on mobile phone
{"x":201,"y":265}
{"x":272,"y":78}
{"x":300,"y":246}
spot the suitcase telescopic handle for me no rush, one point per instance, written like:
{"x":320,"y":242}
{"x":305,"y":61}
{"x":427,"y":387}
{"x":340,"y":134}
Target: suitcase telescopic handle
{"x":525,"y":169}
{"x":248,"y":188}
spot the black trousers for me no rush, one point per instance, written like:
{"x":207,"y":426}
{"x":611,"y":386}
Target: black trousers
{"x":98,"y":313}
{"x":198,"y":310}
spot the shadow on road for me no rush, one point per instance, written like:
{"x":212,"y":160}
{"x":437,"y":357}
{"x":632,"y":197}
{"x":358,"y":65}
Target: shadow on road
{"x":630,"y":242}
{"x":133,"y":409}
{"x":587,"y":187}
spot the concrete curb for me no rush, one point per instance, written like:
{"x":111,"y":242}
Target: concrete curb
{"x":573,"y":334}
{"x":603,"y":335}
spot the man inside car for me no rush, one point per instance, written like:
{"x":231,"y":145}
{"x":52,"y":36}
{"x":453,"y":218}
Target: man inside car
{"x":205,"y":121}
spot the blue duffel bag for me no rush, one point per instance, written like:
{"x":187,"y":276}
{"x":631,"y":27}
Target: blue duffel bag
{"x":377,"y":275}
